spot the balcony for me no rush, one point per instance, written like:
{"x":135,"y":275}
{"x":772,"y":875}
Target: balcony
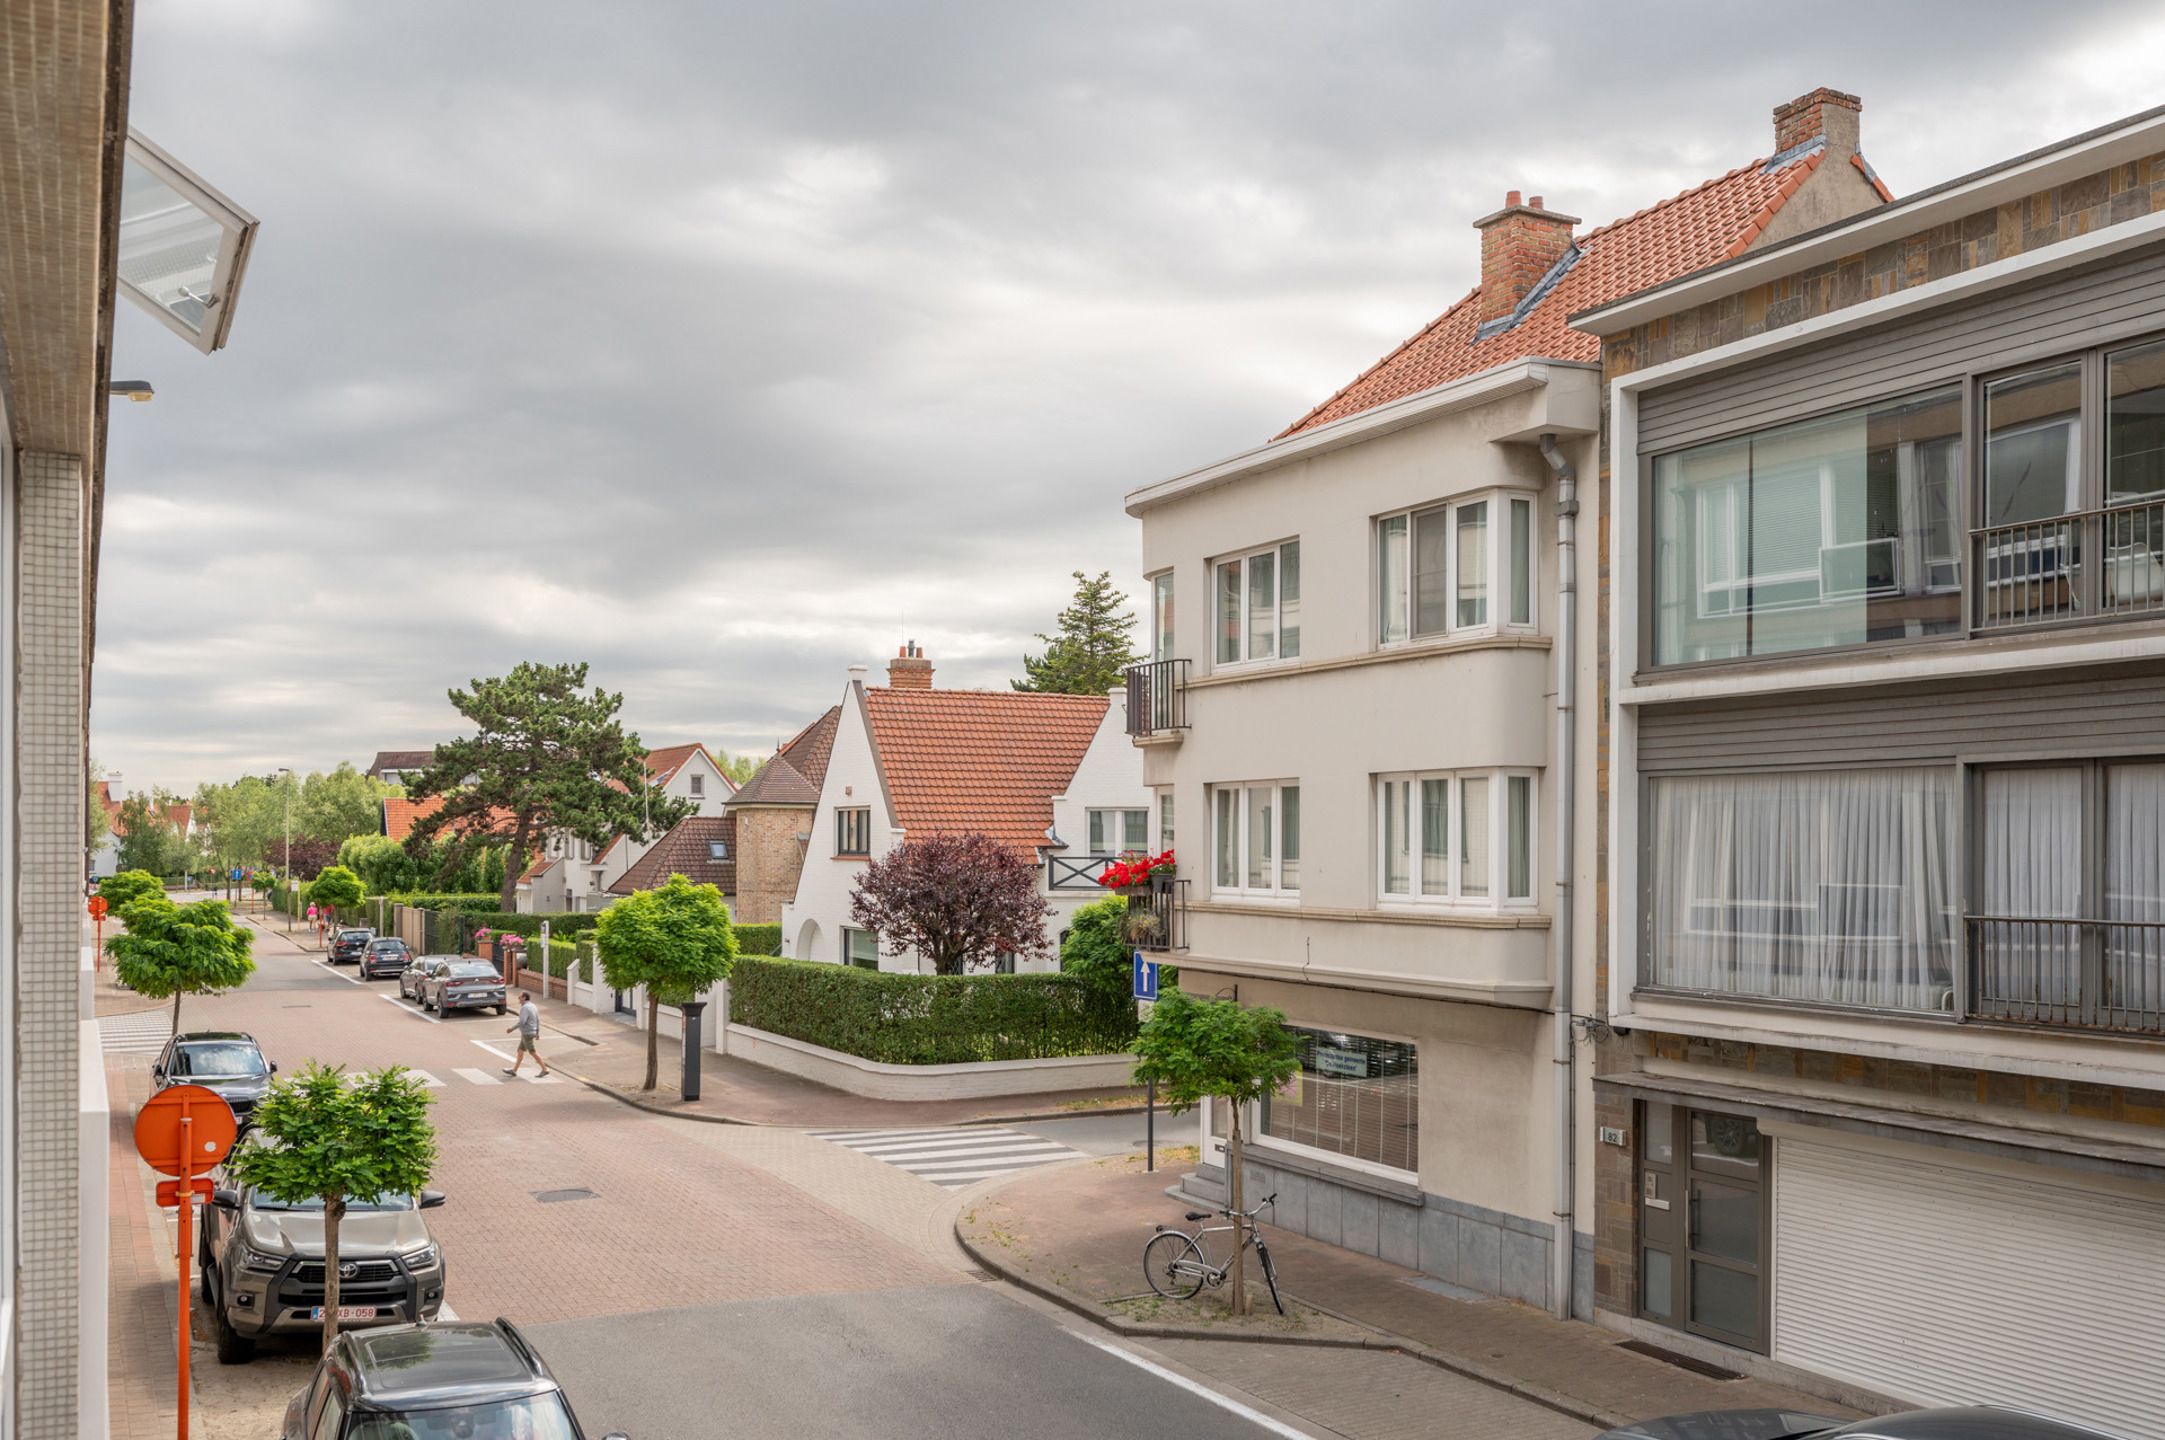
{"x":2032,"y":572}
{"x":1158,"y":918}
{"x":2100,"y":975}
{"x":1069,"y":873}
{"x":1157,"y":700}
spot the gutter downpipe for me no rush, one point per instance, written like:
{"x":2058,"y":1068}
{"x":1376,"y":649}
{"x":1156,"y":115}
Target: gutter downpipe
{"x":1563,"y":1254}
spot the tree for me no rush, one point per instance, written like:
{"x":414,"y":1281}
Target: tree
{"x":739,"y":768}
{"x":338,"y":888}
{"x":547,"y":756}
{"x":675,"y":940}
{"x":1096,"y":948}
{"x":322,"y":1138}
{"x":244,"y":822}
{"x":179,"y":950}
{"x":956,"y":900}
{"x":340,"y":804}
{"x":1218,"y":1050}
{"x":149,"y":839}
{"x":99,"y":821}
{"x":1091,"y":654}
{"x":382,"y":863}
{"x":309,"y":855}
{"x":127,"y":887}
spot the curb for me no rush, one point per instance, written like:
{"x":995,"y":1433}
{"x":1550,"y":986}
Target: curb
{"x":1383,"y":1340}
{"x":613,"y":1093}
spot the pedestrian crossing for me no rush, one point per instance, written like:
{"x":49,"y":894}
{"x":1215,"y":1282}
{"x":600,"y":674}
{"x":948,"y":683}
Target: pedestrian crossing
{"x":143,"y":1032}
{"x":952,"y":1157}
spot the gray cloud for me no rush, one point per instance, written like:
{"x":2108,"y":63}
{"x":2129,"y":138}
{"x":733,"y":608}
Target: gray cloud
{"x":723,"y":346}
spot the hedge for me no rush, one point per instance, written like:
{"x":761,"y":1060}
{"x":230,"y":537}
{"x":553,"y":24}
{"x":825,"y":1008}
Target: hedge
{"x":759,"y":939}
{"x":466,"y":904}
{"x":928,"y":1019}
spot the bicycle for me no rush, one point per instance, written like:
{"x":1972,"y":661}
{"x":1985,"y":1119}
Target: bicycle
{"x":1177,"y":1263}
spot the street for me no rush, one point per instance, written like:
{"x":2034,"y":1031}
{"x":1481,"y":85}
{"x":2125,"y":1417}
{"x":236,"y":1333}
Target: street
{"x":681,"y":1275}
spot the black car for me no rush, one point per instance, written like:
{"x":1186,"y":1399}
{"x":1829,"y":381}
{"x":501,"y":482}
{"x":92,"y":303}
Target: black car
{"x":349,"y":944}
{"x":1978,"y":1422}
{"x":225,"y":1061}
{"x":463,"y":1378}
{"x":386,"y":955}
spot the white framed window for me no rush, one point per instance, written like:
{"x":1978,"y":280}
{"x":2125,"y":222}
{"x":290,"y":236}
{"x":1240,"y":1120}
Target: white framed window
{"x":1255,"y":838}
{"x":1119,"y":832}
{"x":860,"y":948}
{"x":1462,"y":567}
{"x":1165,"y":819}
{"x":1456,"y":837}
{"x":698,"y":784}
{"x":1355,"y":1102}
{"x":1256,"y":602}
{"x":1161,"y":616}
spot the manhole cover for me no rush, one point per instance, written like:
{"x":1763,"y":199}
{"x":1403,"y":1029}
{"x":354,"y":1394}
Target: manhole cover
{"x":552,"y":1197}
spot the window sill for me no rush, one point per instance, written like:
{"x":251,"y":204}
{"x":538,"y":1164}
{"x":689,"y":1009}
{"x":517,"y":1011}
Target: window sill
{"x":1462,"y":919}
{"x":1394,"y":655}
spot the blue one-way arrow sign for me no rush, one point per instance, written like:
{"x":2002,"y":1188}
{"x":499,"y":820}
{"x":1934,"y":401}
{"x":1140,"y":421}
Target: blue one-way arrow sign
{"x":1146,"y":978}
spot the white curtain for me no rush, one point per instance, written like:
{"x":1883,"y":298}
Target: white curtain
{"x":2031,"y":864}
{"x":2135,"y":891}
{"x":1834,"y":886}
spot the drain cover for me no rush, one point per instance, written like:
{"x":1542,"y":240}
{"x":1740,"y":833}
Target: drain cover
{"x":552,"y":1197}
{"x":1681,"y":1362}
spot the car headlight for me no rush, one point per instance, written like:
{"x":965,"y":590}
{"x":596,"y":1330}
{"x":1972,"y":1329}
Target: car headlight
{"x":262,"y":1264}
{"x":422,"y":1259}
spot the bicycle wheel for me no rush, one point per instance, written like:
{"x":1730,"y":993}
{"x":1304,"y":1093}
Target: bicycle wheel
{"x":1173,"y":1265}
{"x":1270,"y":1275}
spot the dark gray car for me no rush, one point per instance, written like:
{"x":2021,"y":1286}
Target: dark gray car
{"x":464,"y":985}
{"x":1980,"y":1422}
{"x":427,"y":1380}
{"x":410,"y":978}
{"x":224,"y":1061}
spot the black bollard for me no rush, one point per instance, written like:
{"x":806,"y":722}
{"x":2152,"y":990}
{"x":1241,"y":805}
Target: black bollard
{"x":691,"y":1048}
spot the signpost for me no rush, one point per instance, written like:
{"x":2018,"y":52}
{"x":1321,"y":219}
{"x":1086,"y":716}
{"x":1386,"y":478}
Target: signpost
{"x":178,"y":1132}
{"x":97,"y":913}
{"x":1146,"y":995}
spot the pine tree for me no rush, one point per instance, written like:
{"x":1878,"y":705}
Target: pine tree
{"x":1091,"y":654}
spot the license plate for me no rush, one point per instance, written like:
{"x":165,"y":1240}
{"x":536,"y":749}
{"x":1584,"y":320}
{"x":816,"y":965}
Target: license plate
{"x":347,"y":1312}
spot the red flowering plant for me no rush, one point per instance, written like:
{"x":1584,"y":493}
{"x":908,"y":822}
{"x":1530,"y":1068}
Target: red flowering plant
{"x":1135,"y":874}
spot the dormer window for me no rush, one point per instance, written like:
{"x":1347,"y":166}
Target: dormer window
{"x":717,"y":850}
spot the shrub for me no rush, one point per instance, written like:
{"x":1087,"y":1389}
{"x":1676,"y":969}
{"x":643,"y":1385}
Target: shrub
{"x":759,"y":940}
{"x":463,"y":904}
{"x":928,"y":1019}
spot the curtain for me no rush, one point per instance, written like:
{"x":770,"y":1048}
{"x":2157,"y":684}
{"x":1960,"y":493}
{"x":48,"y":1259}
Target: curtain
{"x":2031,"y":873}
{"x":2135,"y":891}
{"x":1834,"y":886}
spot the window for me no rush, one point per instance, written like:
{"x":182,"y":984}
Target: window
{"x":183,"y":246}
{"x":1258,"y":600}
{"x":861,"y":948}
{"x":853,"y":831}
{"x":1356,"y":1098}
{"x":1165,"y":819}
{"x":1161,"y":616}
{"x":1830,"y":886}
{"x":698,"y":784}
{"x":1119,"y":831}
{"x":717,"y":849}
{"x":1435,"y":830}
{"x":1256,"y":838}
{"x":1844,"y":530}
{"x":1438,"y":569}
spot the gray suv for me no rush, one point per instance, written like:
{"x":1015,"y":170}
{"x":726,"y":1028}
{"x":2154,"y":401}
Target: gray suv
{"x":421,"y":1382}
{"x":262,"y":1263}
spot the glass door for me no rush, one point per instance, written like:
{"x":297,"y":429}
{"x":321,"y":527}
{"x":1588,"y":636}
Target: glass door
{"x":1703,"y":1223}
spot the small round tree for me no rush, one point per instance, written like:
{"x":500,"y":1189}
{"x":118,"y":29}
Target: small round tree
{"x":675,"y":940}
{"x":338,"y":888}
{"x":957,"y":900}
{"x":179,"y":950}
{"x":128,"y":886}
{"x":322,"y":1137}
{"x":1218,"y":1050}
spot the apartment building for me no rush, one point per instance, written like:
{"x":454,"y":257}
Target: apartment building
{"x":1360,"y":722}
{"x":1883,"y":944}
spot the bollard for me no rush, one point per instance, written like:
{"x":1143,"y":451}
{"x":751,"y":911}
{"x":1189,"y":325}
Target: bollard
{"x":690,"y":1041}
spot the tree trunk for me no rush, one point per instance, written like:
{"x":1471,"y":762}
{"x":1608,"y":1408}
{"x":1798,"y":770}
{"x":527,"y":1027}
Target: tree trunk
{"x":334,"y":1210}
{"x":1233,"y":1167}
{"x":176,"y":1012}
{"x":508,"y":897}
{"x":653,"y":1040}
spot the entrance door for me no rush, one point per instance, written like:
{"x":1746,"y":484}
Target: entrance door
{"x":1703,"y":1223}
{"x":620,"y":1000}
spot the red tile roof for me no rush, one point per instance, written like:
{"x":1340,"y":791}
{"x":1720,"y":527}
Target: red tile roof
{"x":982,"y":760}
{"x":1706,"y":224}
{"x":809,"y":750}
{"x":400,"y":815}
{"x":687,"y":850}
{"x":662,"y":764}
{"x":776,"y":783}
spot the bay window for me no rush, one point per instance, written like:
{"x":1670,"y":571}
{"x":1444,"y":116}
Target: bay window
{"x":1461,"y":567}
{"x":1255,"y":838}
{"x":1258,"y":603}
{"x":1435,"y":830}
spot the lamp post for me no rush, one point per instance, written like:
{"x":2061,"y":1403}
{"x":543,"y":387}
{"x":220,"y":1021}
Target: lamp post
{"x":285,"y":787}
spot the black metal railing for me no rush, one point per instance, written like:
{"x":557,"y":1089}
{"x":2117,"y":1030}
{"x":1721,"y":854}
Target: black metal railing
{"x":2068,"y":974}
{"x":1157,"y":697}
{"x":1158,"y":916}
{"x":2037,"y":571}
{"x":1075,"y":872}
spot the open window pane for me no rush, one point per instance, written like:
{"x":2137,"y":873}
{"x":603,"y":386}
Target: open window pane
{"x":1289,"y":600}
{"x":1521,"y":561}
{"x":1262,"y":606}
{"x":183,"y":246}
{"x":1473,"y":564}
{"x":1473,"y":836}
{"x":1229,"y":612}
{"x":1392,"y":580}
{"x":1435,"y":837}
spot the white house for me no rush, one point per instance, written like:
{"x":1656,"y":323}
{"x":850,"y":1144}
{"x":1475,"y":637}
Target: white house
{"x":571,"y":874}
{"x":1052,"y":775}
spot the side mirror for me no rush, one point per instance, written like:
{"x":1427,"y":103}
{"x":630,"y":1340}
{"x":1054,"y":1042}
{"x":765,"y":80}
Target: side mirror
{"x":430,"y":1199}
{"x":274,"y":1067}
{"x":226,"y":1198}
{"x":157,"y":1072}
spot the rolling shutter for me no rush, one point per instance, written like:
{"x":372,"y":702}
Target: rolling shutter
{"x":1910,"y":1273}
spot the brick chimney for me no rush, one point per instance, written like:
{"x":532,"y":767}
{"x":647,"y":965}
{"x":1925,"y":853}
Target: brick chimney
{"x":1823,"y":112}
{"x":1519,"y":244}
{"x":909,"y":670}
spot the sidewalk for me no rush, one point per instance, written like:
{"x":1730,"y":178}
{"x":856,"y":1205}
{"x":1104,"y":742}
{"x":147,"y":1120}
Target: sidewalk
{"x":1076,"y":1232}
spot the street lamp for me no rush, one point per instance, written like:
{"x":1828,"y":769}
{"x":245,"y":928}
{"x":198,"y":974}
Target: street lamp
{"x":286,"y":788}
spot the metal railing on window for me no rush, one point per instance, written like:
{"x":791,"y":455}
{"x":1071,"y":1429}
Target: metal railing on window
{"x":1157,"y":697}
{"x":1075,"y":872}
{"x":2072,"y":974}
{"x":2035,"y":571}
{"x":1158,"y":917}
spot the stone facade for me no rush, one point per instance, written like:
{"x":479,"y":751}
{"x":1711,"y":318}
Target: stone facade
{"x":769,"y":857}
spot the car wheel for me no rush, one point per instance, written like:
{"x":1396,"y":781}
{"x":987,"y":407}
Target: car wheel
{"x":501,"y":1012}
{"x":234,"y":1348}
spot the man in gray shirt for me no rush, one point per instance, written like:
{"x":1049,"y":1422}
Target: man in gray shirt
{"x":529,"y":1027}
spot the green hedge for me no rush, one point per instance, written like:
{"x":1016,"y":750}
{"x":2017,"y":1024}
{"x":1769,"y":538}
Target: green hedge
{"x":465,"y":904}
{"x":562,"y":923}
{"x":928,"y":1019}
{"x":759,"y":939}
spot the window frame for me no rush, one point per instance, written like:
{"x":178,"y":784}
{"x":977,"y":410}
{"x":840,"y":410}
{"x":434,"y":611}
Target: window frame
{"x":845,"y":817}
{"x":1251,"y":1121}
{"x":1504,"y":569}
{"x":849,"y":933}
{"x":1164,"y":611}
{"x":1243,"y":824}
{"x":1165,"y":818}
{"x":1276,"y":551}
{"x":1498,"y":779}
{"x":1097,"y":821}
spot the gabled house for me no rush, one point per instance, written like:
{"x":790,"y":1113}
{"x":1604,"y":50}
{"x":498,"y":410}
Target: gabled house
{"x":105,"y":855}
{"x":573,"y":874}
{"x":774,"y":812}
{"x":392,"y":767}
{"x":1368,"y":718}
{"x":701,"y":848}
{"x":1035,"y":772}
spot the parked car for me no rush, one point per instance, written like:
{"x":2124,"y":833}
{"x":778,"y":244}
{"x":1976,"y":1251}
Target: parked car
{"x":411,"y":978}
{"x":225,"y":1061}
{"x":262,"y":1263}
{"x":464,"y":985}
{"x":385,"y":955}
{"x":1981,"y":1422}
{"x":462,"y":1378}
{"x":349,"y":944}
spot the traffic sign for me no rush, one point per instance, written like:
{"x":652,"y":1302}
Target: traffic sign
{"x":1146,"y":978}
{"x":201,"y":1115}
{"x":97,"y":907}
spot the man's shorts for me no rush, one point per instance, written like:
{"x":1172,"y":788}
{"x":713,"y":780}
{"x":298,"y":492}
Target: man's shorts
{"x":526,"y":1045}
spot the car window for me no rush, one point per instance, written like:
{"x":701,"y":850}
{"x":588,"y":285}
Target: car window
{"x":262,"y":1202}
{"x":538,"y":1417}
{"x":475,"y":970}
{"x":226,"y":1059}
{"x":329,"y":1418}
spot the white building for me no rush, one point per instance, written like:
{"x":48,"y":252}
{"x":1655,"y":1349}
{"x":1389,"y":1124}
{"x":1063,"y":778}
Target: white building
{"x":1051,"y":775}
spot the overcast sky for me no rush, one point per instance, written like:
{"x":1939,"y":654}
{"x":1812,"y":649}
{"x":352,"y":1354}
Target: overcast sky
{"x":724,"y":346}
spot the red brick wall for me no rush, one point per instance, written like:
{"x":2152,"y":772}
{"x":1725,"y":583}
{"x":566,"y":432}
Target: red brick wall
{"x":1519,"y":244}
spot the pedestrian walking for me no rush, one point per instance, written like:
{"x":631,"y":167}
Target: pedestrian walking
{"x":529,"y":1027}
